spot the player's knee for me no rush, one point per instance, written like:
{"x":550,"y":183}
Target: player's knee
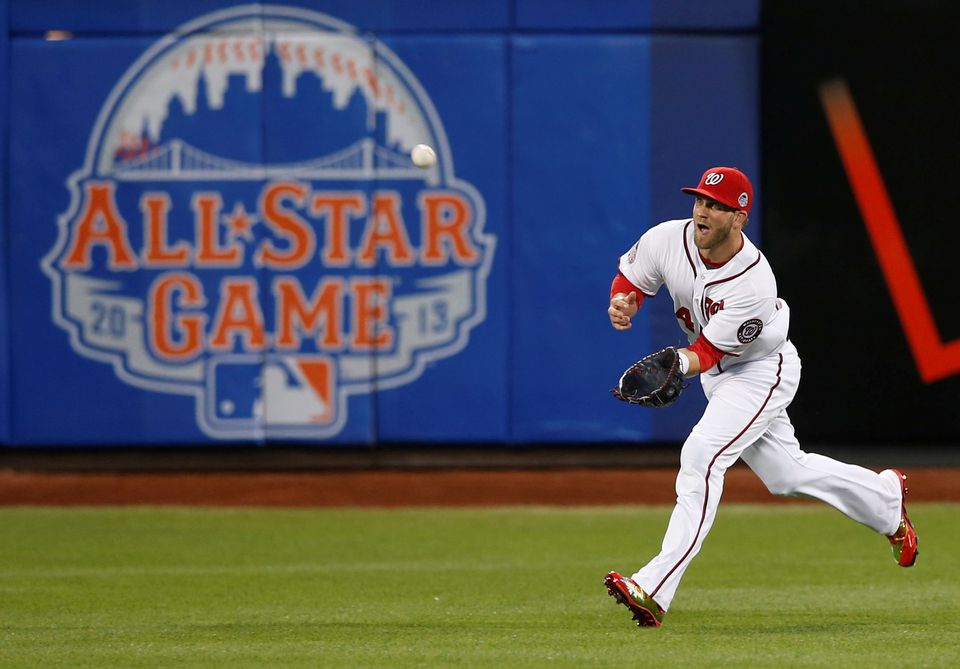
{"x":780,"y":487}
{"x":783,"y":478}
{"x":688,"y":482}
{"x":692,"y":463}
{"x":697,"y":464}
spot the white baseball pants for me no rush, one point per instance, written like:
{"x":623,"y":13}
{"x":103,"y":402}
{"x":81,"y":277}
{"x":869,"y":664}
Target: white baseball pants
{"x":746,"y":417}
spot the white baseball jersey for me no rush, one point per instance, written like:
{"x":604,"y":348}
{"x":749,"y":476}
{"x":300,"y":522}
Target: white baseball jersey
{"x":734,"y":306}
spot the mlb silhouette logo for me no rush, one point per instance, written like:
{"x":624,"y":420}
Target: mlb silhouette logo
{"x":250,"y":392}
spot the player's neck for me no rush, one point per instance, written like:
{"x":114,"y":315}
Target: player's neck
{"x":719,"y":255}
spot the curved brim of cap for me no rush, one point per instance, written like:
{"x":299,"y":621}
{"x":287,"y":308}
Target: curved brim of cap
{"x":712,"y":196}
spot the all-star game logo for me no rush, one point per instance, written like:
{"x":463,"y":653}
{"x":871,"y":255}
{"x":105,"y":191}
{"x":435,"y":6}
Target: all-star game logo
{"x":248,"y":228}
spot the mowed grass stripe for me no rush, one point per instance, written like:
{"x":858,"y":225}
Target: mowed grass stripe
{"x":775,"y":586}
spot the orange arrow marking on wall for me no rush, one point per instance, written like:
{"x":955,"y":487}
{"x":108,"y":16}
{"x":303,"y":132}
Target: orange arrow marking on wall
{"x":934,"y":358}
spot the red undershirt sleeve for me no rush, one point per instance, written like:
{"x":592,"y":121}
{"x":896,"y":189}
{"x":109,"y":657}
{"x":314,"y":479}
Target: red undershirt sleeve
{"x":621,"y":284}
{"x":708,"y":353}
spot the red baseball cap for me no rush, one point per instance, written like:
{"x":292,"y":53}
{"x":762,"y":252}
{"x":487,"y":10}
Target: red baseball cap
{"x":726,"y":185}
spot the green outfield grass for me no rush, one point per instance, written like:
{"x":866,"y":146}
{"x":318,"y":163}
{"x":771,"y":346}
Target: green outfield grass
{"x":775,"y":586}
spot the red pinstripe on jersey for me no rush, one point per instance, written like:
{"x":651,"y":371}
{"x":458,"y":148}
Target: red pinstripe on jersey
{"x":686,"y":248}
{"x":706,"y":494}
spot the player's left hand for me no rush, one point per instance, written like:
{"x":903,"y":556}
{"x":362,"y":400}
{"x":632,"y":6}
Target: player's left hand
{"x":654,"y":381}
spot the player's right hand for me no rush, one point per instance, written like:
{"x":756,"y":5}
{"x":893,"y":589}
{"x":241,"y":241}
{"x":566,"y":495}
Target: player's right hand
{"x":623,"y":307}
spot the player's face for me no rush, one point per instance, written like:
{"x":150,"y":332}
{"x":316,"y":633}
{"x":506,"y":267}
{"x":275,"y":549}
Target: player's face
{"x":715,"y":224}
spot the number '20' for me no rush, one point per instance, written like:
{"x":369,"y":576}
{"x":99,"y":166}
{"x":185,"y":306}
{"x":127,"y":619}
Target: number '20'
{"x":110,"y":320}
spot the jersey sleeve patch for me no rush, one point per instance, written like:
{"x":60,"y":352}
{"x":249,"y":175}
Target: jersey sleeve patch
{"x":749,"y":330}
{"x":641,"y":264}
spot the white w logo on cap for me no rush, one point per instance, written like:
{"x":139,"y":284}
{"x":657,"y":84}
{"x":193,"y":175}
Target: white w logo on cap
{"x":713,"y":179}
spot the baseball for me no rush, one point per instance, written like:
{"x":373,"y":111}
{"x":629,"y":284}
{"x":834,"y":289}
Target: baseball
{"x":423,"y":156}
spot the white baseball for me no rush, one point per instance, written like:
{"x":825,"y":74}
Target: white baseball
{"x":423,"y":156}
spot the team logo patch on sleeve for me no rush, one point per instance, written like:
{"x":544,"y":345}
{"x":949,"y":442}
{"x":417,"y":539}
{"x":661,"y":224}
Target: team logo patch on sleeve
{"x":749,"y":330}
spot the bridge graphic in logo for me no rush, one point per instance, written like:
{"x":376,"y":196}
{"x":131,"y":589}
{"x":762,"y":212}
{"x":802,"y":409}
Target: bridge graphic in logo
{"x":362,"y":160}
{"x":248,"y":229}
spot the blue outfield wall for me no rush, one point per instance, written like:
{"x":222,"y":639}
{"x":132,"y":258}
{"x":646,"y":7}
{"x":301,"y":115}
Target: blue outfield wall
{"x":213,"y":231}
{"x":4,"y":253}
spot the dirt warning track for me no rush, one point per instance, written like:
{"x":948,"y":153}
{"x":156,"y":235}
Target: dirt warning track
{"x":398,"y":488}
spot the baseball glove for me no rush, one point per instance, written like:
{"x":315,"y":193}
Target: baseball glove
{"x":654,"y":381}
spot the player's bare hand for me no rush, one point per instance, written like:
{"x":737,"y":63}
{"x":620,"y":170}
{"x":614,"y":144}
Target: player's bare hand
{"x":623,"y":307}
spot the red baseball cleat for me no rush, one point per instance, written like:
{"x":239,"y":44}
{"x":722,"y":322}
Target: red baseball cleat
{"x":646,"y":612}
{"x":904,"y":540}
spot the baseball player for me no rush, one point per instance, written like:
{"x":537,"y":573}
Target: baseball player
{"x":725,"y":300}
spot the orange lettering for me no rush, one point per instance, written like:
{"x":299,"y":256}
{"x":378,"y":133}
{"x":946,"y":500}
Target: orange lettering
{"x":206,"y":209}
{"x":99,"y":223}
{"x":157,"y":253}
{"x":369,"y":317}
{"x":166,"y":330}
{"x":288,"y":225}
{"x":324,"y":307}
{"x":337,"y":235}
{"x":385,"y":228}
{"x":445,"y":223}
{"x":238,"y":315}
